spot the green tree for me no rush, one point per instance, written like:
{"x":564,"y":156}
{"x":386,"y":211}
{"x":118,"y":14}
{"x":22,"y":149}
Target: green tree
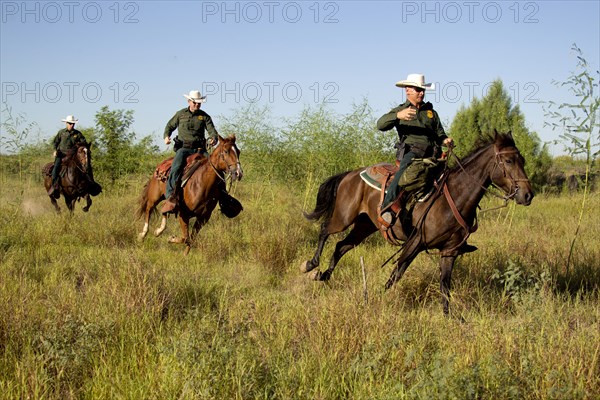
{"x":496,"y":111}
{"x":117,"y":153}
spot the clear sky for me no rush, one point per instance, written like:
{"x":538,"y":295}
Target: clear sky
{"x":73,"y":57}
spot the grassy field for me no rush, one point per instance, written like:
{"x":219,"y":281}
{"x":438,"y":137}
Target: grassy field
{"x":89,"y":312}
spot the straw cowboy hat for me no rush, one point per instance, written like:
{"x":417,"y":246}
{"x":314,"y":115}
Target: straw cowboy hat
{"x":70,"y":119}
{"x":415,"y":80}
{"x":195,"y":96}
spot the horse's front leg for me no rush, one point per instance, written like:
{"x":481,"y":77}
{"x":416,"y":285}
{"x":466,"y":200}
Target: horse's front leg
{"x":446,"y":265}
{"x":70,"y":202}
{"x":201,"y":220}
{"x":88,"y":200}
{"x":184,"y":221}
{"x":55,"y":204}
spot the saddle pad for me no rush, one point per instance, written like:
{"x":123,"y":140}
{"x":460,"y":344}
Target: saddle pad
{"x":376,"y":175}
{"x":162,"y":171}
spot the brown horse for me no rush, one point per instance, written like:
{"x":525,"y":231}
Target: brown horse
{"x":201,"y":192}
{"x":74,"y":182}
{"x":442,"y":222}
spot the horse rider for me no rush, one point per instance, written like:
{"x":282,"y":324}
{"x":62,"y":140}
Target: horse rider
{"x":191,"y":123}
{"x":65,"y":140}
{"x":420,"y":133}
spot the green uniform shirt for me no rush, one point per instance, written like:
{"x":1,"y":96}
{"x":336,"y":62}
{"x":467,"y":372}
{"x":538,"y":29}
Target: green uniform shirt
{"x":65,"y":140}
{"x":426,"y":129}
{"x":191,"y":126}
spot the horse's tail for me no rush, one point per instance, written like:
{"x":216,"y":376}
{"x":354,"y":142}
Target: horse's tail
{"x":326,"y":198}
{"x":143,"y":200}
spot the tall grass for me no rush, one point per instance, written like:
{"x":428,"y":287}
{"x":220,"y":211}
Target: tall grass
{"x":90,"y":312}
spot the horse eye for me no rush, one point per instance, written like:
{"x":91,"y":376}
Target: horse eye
{"x":508,"y":161}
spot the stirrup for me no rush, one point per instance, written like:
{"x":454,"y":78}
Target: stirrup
{"x":427,"y":195}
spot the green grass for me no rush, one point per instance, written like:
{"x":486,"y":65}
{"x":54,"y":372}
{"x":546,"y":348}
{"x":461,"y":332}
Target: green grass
{"x":91,"y":312}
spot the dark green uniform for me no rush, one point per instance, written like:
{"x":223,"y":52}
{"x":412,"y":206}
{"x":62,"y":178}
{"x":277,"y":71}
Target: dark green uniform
{"x":64,"y":141}
{"x":425,"y":130}
{"x":191,"y":128}
{"x":417,"y":139}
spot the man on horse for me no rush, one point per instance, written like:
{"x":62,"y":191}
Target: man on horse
{"x":420,"y":134}
{"x":191,"y":123}
{"x":65,"y":140}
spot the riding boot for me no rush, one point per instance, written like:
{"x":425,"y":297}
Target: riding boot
{"x":54,"y":190}
{"x":170,"y":205}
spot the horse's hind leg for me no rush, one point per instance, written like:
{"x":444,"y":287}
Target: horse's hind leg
{"x":88,"y":201}
{"x":163,"y":225}
{"x":309,"y":265}
{"x":363,"y":228}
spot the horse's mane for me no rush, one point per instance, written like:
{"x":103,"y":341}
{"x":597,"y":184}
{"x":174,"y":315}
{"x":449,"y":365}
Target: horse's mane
{"x":483,"y":142}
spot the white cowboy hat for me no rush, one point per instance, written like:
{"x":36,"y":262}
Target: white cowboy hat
{"x":195,"y":96}
{"x":70,"y":119}
{"x":415,"y":80}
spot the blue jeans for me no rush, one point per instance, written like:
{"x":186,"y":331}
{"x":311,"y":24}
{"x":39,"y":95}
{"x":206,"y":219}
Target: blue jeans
{"x":177,"y":169}
{"x":393,"y":190}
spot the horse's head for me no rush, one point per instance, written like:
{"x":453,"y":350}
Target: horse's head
{"x":80,"y":154}
{"x":508,"y":172}
{"x":226,"y":157}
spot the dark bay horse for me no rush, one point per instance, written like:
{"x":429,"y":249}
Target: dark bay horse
{"x":443,"y":222}
{"x":74,"y":182}
{"x":200,"y":194}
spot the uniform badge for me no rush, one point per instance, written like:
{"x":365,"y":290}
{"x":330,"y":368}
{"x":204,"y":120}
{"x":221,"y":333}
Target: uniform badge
{"x":429,"y":114}
{"x":200,"y":118}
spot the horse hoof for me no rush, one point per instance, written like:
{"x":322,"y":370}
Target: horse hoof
{"x":141,"y":236}
{"x":85,"y":209}
{"x":306,"y":266}
{"x":176,"y":240}
{"x":315,"y":276}
{"x":187,"y":250}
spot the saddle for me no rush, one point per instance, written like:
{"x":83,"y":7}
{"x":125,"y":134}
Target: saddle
{"x":47,"y":169}
{"x":379,"y":176}
{"x":416,"y":183}
{"x":161,"y":172}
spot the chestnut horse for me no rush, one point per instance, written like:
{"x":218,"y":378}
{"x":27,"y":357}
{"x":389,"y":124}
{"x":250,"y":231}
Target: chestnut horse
{"x":74,"y":182}
{"x":200,"y":194}
{"x":442,"y":222}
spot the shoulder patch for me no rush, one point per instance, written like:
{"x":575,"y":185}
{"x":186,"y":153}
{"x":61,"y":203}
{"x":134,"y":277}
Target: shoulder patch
{"x":429,"y":114}
{"x":201,"y":117}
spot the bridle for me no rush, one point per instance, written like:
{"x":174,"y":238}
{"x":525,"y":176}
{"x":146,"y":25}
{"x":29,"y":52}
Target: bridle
{"x":498,"y":164}
{"x":229,"y":167}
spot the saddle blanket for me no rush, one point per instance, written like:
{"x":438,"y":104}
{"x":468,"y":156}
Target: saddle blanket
{"x":376,"y":175}
{"x":162,"y":171}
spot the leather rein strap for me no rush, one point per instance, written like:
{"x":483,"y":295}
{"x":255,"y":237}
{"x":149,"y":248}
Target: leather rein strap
{"x":459,"y":218}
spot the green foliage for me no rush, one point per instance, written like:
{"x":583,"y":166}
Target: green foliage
{"x":116,"y":153}
{"x":580,"y":123}
{"x":495,"y":111}
{"x":317,"y":143}
{"x":14,"y":133}
{"x":579,"y":120}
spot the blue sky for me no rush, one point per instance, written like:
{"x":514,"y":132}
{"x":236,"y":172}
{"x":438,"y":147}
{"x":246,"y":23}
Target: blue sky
{"x":73,"y":57}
